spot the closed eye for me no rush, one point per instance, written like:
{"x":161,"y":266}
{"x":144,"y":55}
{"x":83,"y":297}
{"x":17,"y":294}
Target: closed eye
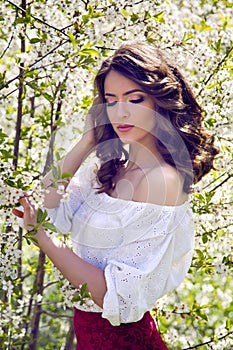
{"x":111,"y":104}
{"x":138,"y":100}
{"x":134,"y":100}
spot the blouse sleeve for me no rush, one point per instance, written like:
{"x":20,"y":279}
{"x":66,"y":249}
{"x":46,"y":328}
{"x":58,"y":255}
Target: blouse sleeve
{"x":150,"y":267}
{"x":79,"y":187}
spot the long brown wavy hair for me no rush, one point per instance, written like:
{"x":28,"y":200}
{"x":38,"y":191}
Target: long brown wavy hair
{"x":180,"y":136}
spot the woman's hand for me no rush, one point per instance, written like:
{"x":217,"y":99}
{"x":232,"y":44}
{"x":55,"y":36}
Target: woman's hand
{"x":89,"y":127}
{"x":75,"y":269}
{"x":29,"y":213}
{"x":88,"y":132}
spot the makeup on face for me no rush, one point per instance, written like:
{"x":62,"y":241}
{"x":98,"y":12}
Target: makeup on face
{"x":134,"y":96}
{"x":130,"y":109}
{"x":125,"y":127}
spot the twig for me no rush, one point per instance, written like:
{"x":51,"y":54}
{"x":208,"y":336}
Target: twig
{"x":31,"y":65}
{"x":214,"y":71}
{"x":37,"y":18}
{"x":214,"y":230}
{"x":38,"y":285}
{"x":208,"y":341}
{"x":8,"y":45}
{"x":217,"y":178}
{"x":48,"y":53}
{"x":70,"y":337}
{"x":224,"y":181}
{"x":51,"y":284}
{"x":55,"y":314}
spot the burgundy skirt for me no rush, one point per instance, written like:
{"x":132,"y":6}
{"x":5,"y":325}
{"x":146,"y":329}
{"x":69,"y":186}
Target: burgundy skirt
{"x":96,"y":333}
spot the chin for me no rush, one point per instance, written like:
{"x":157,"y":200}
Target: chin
{"x":127,"y":141}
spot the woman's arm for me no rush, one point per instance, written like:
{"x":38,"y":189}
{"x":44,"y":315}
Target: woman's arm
{"x":70,"y":163}
{"x":76,"y":270}
{"x":73,"y":268}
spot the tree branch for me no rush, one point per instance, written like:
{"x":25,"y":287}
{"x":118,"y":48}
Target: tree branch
{"x":37,"y":18}
{"x":215,"y":70}
{"x":208,"y":342}
{"x":224,"y":181}
{"x":70,"y":337}
{"x":8,"y":45}
{"x":38,"y":284}
{"x":55,"y":314}
{"x":33,"y":64}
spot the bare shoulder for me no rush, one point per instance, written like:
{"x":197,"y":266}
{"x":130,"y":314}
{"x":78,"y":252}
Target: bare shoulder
{"x":164,"y":186}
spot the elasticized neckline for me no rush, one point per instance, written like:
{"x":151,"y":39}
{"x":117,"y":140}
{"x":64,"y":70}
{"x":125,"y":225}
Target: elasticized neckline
{"x":187,"y":202}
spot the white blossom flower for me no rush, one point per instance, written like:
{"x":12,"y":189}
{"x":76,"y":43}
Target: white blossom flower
{"x":60,"y":189}
{"x":198,"y":36}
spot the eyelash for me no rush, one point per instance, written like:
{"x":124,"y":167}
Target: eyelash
{"x":138,"y":100}
{"x":111,"y":104}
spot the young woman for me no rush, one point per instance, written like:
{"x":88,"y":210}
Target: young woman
{"x":129,"y":218}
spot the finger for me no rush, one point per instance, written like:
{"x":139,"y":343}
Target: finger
{"x":25,"y":202}
{"x":17,"y":213}
{"x":24,"y":194}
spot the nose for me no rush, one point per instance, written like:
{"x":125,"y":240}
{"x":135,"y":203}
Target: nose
{"x":122,"y":110}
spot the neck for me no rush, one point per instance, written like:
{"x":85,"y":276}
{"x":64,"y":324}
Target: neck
{"x":144,"y":157}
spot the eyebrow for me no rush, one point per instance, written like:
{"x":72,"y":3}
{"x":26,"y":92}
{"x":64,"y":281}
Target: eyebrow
{"x":125,"y":93}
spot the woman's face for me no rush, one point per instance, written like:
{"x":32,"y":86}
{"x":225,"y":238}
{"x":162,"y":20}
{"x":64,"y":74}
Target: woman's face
{"x":130,"y":110}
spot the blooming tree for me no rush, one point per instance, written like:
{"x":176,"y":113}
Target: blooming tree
{"x":49,"y":54}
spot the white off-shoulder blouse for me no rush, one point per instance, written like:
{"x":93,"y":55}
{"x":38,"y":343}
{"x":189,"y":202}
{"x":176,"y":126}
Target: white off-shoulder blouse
{"x":144,"y":249}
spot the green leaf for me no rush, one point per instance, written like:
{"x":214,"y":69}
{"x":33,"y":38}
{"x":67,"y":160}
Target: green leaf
{"x":34,"y":240}
{"x":56,"y":172}
{"x":72,"y":39}
{"x":22,"y":20}
{"x":32,"y":232}
{"x":11,"y":183}
{"x":83,"y":288}
{"x":204,"y":238}
{"x":2,"y":135}
{"x":34,"y":40}
{"x":124,"y":13}
{"x":28,"y":240}
{"x":41,"y":216}
{"x":48,"y":97}
{"x":91,"y":52}
{"x":66,"y":175}
{"x":134,"y":17}
{"x":229,"y":324}
{"x":211,"y":121}
{"x":49,"y":226}
{"x":160,"y":17}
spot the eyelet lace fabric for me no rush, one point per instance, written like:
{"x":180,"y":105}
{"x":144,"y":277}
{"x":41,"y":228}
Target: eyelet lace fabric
{"x":144,"y":249}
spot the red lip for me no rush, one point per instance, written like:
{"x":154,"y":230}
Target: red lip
{"x":125,"y":127}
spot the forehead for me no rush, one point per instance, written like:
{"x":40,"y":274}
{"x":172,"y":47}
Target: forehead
{"x":116,"y":82}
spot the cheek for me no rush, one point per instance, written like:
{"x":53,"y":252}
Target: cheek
{"x":111,"y":114}
{"x":147,"y":120}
